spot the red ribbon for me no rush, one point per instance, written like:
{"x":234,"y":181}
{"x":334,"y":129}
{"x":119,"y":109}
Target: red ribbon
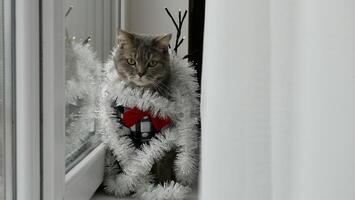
{"x":134,"y":115}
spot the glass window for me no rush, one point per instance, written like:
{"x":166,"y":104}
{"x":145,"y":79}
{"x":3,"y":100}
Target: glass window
{"x":90,"y":32}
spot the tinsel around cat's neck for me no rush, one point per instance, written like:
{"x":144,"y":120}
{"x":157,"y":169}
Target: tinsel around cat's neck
{"x":182,"y":87}
{"x":162,"y":89}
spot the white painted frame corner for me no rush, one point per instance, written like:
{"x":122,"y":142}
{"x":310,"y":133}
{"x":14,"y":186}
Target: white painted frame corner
{"x":27,"y":100}
{"x":53,"y":100}
{"x":10,"y":157}
{"x":89,"y":171}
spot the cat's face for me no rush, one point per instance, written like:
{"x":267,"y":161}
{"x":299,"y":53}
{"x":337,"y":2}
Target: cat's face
{"x":143,"y":60}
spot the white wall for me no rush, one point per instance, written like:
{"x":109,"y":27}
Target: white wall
{"x":278,"y":100}
{"x":325,"y":143}
{"x":149,"y":17}
{"x":235,"y":101}
{"x":313,"y":87}
{"x":284,"y":72}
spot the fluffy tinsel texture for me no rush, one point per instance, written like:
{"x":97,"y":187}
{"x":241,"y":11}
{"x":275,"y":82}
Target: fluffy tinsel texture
{"x":132,"y":172}
{"x":82,"y":78}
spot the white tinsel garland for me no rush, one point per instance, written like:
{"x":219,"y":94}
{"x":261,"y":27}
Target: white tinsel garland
{"x":82,"y":77}
{"x":182,"y":107}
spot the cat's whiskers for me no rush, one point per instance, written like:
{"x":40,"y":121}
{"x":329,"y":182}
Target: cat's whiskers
{"x":162,"y":88}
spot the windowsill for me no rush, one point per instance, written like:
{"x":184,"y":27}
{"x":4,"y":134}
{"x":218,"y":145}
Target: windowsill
{"x":100,"y":195}
{"x":82,"y":181}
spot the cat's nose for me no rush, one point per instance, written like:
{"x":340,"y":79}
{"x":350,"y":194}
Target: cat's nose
{"x":140,"y":74}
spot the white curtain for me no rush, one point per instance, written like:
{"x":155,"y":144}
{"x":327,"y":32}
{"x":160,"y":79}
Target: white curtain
{"x":278,"y":100}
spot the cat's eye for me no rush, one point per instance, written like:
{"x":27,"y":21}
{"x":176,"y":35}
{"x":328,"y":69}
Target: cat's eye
{"x":131,"y":61}
{"x":153,"y":63}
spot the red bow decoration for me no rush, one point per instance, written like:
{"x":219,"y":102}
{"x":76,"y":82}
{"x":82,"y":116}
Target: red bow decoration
{"x":134,"y":115}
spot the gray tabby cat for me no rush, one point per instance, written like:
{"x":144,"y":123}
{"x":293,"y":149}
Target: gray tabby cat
{"x":143,"y":61}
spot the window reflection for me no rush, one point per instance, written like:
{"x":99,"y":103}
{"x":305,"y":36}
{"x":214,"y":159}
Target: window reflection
{"x":90,"y":30}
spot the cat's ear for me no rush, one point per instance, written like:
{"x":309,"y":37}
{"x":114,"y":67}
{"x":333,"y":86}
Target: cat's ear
{"x":162,"y":41}
{"x":124,"y":38}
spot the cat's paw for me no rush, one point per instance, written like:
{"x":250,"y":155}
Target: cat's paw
{"x":166,"y":191}
{"x":119,"y":185}
{"x":186,"y":168}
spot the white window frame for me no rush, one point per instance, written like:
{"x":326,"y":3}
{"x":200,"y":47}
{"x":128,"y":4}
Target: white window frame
{"x":53,"y":102}
{"x":8,"y":28}
{"x":81,"y":181}
{"x":40,"y":104}
{"x":27,"y":100}
{"x":54,"y":182}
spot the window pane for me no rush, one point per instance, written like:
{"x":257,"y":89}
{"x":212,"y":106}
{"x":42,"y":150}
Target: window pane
{"x":90,"y":30}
